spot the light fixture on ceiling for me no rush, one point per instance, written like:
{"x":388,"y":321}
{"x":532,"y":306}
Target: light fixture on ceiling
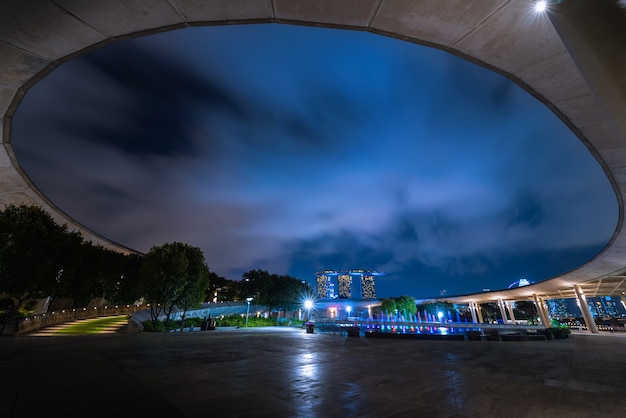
{"x":541,"y":6}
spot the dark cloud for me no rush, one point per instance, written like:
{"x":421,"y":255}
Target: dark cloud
{"x":156,"y":110}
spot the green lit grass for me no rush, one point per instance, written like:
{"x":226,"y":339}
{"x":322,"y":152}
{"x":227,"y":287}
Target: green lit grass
{"x":93,"y":326}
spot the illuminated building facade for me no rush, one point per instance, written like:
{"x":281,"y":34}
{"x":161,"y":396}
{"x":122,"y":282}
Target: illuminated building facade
{"x":364,"y":287}
{"x":325,"y":285}
{"x":558,"y":308}
{"x":368,"y":286}
{"x":603,"y":307}
{"x":345,"y":285}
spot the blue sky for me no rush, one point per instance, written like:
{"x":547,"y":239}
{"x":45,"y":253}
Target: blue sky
{"x":297,"y":149}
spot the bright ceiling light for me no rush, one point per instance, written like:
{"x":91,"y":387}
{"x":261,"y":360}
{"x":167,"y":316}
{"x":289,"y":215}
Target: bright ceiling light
{"x":540,"y":6}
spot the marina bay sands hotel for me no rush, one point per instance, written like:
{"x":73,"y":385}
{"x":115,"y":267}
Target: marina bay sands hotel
{"x":333,"y":284}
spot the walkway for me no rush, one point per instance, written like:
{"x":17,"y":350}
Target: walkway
{"x":106,"y":325}
{"x":288,"y":373}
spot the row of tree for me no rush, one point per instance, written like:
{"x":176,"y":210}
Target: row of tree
{"x":39,"y":259}
{"x":403,"y":305}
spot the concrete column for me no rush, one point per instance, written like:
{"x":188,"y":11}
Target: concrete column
{"x":584,"y":308}
{"x":622,"y":299}
{"x":509,"y":307}
{"x":479,"y":313}
{"x":502,"y":311}
{"x":594,"y":33}
{"x":472,"y":308}
{"x":546,"y":312}
{"x":543,"y":315}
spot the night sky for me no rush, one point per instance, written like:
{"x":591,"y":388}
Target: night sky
{"x":297,"y":149}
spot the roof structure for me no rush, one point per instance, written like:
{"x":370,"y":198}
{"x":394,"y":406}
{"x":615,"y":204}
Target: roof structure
{"x":570,"y":57}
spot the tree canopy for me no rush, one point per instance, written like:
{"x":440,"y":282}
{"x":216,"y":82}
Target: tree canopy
{"x":33,"y":253}
{"x":39,"y":258}
{"x":173,"y":275}
{"x":275,"y":291}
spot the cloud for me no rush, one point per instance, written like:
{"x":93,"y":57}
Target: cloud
{"x":355,"y":152}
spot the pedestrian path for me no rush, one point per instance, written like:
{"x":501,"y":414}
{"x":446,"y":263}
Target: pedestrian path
{"x":106,"y":325}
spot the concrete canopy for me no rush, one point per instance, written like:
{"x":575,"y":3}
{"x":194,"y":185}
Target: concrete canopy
{"x":508,"y":37}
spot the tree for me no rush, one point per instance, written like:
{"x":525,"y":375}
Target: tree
{"x":289,"y":293}
{"x":32,"y":254}
{"x":170,"y":275}
{"x":406,"y":305}
{"x":196,"y":283}
{"x":525,"y":309}
{"x":388,"y":306}
{"x":275,"y":291}
{"x":87,"y":268}
{"x":223,"y":289}
{"x":124,"y":288}
{"x":436,"y":307}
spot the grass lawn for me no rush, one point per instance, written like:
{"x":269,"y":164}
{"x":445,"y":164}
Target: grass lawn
{"x":93,"y":326}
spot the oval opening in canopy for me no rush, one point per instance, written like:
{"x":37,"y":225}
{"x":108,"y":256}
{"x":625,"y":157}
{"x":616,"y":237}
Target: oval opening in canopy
{"x":298,"y":149}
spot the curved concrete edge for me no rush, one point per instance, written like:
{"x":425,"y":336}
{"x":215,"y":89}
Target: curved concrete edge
{"x":503,"y":36}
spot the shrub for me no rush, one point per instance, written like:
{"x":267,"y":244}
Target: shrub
{"x":557,"y":333}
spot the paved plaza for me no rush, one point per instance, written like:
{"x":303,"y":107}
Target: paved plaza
{"x":284,"y":372}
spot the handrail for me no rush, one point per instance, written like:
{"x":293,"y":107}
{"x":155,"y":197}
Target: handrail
{"x":34,"y":322}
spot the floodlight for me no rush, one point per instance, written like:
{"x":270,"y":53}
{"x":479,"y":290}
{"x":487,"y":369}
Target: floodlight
{"x":541,"y":6}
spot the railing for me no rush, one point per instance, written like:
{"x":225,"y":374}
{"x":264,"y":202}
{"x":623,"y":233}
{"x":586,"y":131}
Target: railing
{"x":57,"y":317}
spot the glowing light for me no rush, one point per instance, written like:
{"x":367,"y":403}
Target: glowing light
{"x":541,"y":6}
{"x":348,"y":309}
{"x":308,"y":304}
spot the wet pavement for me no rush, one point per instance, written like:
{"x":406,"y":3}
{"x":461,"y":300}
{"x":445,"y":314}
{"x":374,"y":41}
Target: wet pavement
{"x":283,"y":372}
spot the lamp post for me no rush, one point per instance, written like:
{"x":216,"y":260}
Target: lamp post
{"x":248,"y":310}
{"x":308,"y":304}
{"x":348,"y":310}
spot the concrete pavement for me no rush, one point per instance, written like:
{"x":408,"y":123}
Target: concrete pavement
{"x":282,"y":372}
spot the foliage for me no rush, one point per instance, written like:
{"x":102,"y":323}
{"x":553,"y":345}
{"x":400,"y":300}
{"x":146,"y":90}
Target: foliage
{"x":33,"y":253}
{"x":559,"y":332}
{"x":87,"y":269}
{"x":388,"y":306}
{"x":223,"y":290}
{"x":525,"y":309}
{"x":439,"y":306}
{"x":39,"y":258}
{"x":228,"y":321}
{"x":406,"y":305}
{"x":240,"y":321}
{"x":274,"y":291}
{"x":174,"y":274}
{"x":124,"y":288}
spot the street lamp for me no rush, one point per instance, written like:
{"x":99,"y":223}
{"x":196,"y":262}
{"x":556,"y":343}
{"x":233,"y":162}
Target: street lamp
{"x":308,"y":305}
{"x":348,"y":310}
{"x":248,"y":310}
{"x":440,"y":315}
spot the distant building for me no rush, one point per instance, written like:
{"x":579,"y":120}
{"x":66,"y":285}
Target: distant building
{"x":558,"y":308}
{"x":368,"y":286}
{"x":333,"y":284}
{"x":325,"y":285}
{"x":603,"y":307}
{"x":344,"y":282}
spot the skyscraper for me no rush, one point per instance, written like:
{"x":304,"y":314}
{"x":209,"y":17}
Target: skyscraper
{"x":345,"y":285}
{"x":329,"y":280}
{"x":368,"y":286}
